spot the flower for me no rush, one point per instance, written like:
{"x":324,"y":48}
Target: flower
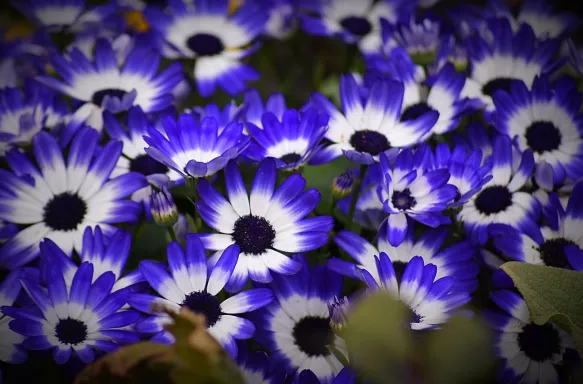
{"x":24,"y":113}
{"x":354,"y":22}
{"x":409,"y":190}
{"x":102,"y":85}
{"x":457,"y":260}
{"x":530,"y":351}
{"x":420,"y":37}
{"x":546,"y":120}
{"x":558,"y":245}
{"x":345,"y":376}
{"x":11,"y":350}
{"x":291,"y":141}
{"x":339,"y":310}
{"x":194,"y":147}
{"x":216,"y":41}
{"x":263,"y":225}
{"x":190,"y":284}
{"x":500,"y":200}
{"x":508,"y":56}
{"x":77,"y":319}
{"x":231,"y":112}
{"x":368,"y":129}
{"x":342,"y":185}
{"x":164,"y":211}
{"x":22,"y":58}
{"x":254,"y":109}
{"x":59,"y":200}
{"x":575,"y":57}
{"x":296,"y":327}
{"x":254,"y":367}
{"x":431,"y":301}
{"x":282,"y":18}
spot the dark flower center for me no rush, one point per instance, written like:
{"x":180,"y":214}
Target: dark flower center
{"x":552,"y":253}
{"x":312,"y":334}
{"x":253,"y":234}
{"x":369,"y":142}
{"x":65,"y":212}
{"x":539,"y":342}
{"x":501,"y":83}
{"x":290,"y":158}
{"x":493,"y":200}
{"x":204,"y":304}
{"x":358,"y":26}
{"x":159,"y":3}
{"x":204,"y":44}
{"x":71,"y":331}
{"x":414,"y":111}
{"x":98,"y":96}
{"x":399,"y":267}
{"x":146,"y":165}
{"x":543,"y":136}
{"x":403,"y":199}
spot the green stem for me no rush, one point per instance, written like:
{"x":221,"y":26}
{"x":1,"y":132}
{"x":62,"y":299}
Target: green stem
{"x":172,"y":234}
{"x":354,"y":199}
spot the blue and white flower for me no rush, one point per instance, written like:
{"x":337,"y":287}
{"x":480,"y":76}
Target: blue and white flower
{"x":420,"y":37}
{"x":11,"y":350}
{"x":216,"y":40}
{"x":23,"y":58}
{"x":192,"y":285}
{"x":345,"y":376}
{"x":456,"y":261}
{"x":530,"y":351}
{"x":296,"y":327}
{"x":431,"y":301}
{"x":24,"y":113}
{"x":59,"y":199}
{"x":291,"y":141}
{"x":355,"y":22}
{"x":254,"y":108}
{"x":100,"y":84}
{"x":231,"y":112}
{"x":263,"y":224}
{"x":254,"y":367}
{"x":369,"y":128}
{"x":192,"y":147}
{"x":282,"y":20}
{"x":508,"y":56}
{"x":409,"y":189}
{"x":501,"y":200}
{"x":546,"y":120}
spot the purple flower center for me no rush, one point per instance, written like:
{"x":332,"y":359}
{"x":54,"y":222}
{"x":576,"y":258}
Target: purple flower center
{"x":358,"y":26}
{"x":146,"y":165}
{"x":415,"y":111}
{"x":71,"y":331}
{"x":493,"y":200}
{"x":499,"y":84}
{"x":552,"y":253}
{"x":312,"y":334}
{"x":543,"y":136}
{"x":539,"y":342}
{"x":204,"y":44}
{"x":403,"y":200}
{"x":98,"y":96}
{"x":65,"y":212}
{"x":253,"y":234}
{"x":203,"y":303}
{"x":290,"y":158}
{"x":371,"y":142}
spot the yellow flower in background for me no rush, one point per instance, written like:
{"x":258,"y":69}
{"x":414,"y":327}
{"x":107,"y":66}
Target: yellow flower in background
{"x":136,"y":21}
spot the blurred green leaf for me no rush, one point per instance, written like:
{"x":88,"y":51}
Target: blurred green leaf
{"x":379,"y":340}
{"x":149,"y":243}
{"x":321,"y":177}
{"x":330,"y":88}
{"x":460,"y":352}
{"x":551,"y":294}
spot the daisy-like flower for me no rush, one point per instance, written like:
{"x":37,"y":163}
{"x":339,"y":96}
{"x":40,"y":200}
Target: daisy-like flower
{"x":191,"y":285}
{"x":216,"y":40}
{"x":296,"y":327}
{"x":22,"y":58}
{"x":193,"y":147}
{"x":24,"y":113}
{"x":530,"y":352}
{"x":282,"y":20}
{"x":508,"y":56}
{"x":356,"y":22}
{"x":410,"y":190}
{"x":369,"y":128}
{"x":546,"y":120}
{"x":466,"y":168}
{"x":254,"y":367}
{"x":100,"y":84}
{"x":450,"y":51}
{"x":64,"y":15}
{"x":263,"y":224}
{"x":501,"y":201}
{"x":292,"y":141}
{"x":7,"y":230}
{"x":11,"y":350}
{"x":81,"y":319}
{"x":431,"y":301}
{"x":59,"y":199}
{"x":477,"y":137}
{"x":456,"y":260}
{"x":231,"y":112}
{"x":345,"y":376}
{"x":254,"y":108}
{"x":543,"y":181}
{"x":558,"y":245}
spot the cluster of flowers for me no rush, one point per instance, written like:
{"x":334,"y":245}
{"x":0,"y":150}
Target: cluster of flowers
{"x":465,"y":130}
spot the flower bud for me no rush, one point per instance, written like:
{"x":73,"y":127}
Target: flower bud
{"x":164,"y":211}
{"x":338,"y":310}
{"x":342,"y":185}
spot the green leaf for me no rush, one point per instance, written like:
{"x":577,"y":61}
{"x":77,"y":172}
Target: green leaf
{"x":460,"y":352}
{"x":378,"y":338}
{"x":321,"y":177}
{"x":330,"y":88}
{"x":551,"y":294}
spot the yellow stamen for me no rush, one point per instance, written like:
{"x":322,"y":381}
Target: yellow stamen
{"x":234,"y":5}
{"x":136,"y":21}
{"x":18,"y":30}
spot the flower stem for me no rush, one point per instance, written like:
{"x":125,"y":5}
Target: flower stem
{"x":355,"y":193}
{"x":172,"y":234}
